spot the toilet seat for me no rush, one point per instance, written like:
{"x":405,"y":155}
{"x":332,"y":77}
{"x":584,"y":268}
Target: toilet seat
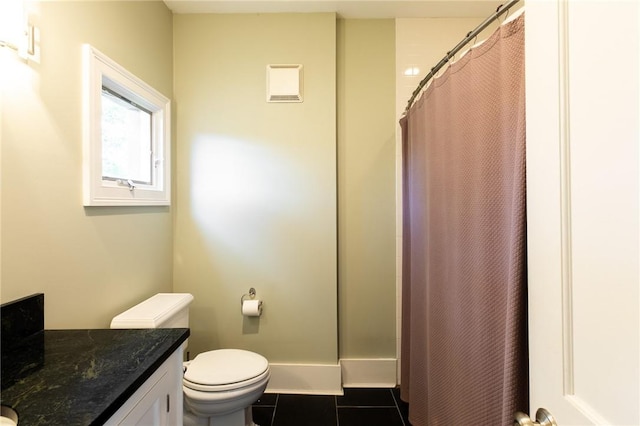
{"x":225,"y":369}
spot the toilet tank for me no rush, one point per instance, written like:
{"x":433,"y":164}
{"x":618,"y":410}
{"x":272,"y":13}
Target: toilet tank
{"x":164,"y":310}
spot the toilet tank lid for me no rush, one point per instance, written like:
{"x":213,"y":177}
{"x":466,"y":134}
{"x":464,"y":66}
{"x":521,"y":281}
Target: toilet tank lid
{"x":153,"y":312}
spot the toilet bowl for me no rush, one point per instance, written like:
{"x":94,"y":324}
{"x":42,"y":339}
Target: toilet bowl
{"x":219,"y":386}
{"x":222,"y":384}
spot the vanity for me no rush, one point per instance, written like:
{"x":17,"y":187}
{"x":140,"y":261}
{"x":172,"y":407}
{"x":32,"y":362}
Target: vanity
{"x":88,"y":377}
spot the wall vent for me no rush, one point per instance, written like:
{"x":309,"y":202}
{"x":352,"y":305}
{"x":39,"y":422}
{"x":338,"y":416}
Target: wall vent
{"x":284,"y":83}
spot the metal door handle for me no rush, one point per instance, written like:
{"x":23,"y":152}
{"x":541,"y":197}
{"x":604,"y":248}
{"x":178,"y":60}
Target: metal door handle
{"x":543,"y":418}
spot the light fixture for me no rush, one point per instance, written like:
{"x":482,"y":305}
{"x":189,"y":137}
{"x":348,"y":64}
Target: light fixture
{"x":15,"y":33}
{"x":411,"y":71}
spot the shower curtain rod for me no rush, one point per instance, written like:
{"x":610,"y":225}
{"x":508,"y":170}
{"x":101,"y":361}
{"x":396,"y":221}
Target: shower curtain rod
{"x":503,"y":8}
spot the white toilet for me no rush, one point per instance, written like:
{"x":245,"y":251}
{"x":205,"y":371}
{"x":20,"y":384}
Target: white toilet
{"x":219,"y":386}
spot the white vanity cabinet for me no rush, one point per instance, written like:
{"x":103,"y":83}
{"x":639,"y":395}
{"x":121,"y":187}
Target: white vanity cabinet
{"x":158,"y":401}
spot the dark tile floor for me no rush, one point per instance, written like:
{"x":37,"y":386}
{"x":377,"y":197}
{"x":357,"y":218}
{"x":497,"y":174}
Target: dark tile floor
{"x":357,"y":407}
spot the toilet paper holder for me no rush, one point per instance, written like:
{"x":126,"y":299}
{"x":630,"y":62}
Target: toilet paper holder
{"x":251,"y":295}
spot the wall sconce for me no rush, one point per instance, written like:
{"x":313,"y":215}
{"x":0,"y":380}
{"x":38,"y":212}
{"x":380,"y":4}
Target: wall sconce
{"x":15,"y":33}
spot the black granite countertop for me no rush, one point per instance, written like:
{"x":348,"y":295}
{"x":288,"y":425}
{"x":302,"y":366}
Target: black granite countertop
{"x":81,"y":377}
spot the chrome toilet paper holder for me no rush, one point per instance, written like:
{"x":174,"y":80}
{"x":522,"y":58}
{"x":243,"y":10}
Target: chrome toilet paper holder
{"x":251,"y":295}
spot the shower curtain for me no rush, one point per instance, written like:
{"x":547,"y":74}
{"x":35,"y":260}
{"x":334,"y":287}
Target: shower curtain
{"x":464,"y":332}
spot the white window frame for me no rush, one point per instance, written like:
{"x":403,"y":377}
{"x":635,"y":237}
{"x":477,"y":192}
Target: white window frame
{"x":99,"y":71}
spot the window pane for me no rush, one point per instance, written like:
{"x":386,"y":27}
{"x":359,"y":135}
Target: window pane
{"x":126,"y":139}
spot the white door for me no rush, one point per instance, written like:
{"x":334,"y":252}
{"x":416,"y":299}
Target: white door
{"x":583,"y":131}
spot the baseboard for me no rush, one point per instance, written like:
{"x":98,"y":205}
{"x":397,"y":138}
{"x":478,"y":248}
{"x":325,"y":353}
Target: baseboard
{"x":313,"y":379}
{"x":369,"y":372}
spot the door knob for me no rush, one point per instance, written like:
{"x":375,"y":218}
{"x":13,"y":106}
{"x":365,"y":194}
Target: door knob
{"x":543,"y":418}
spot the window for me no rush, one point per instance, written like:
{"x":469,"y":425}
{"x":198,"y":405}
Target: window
{"x":126,"y":137}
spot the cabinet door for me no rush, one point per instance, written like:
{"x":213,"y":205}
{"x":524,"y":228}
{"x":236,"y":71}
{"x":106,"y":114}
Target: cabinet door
{"x":154,"y":407}
{"x":158,"y":401}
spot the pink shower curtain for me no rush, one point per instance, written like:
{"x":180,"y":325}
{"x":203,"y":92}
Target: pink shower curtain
{"x":464,"y":331}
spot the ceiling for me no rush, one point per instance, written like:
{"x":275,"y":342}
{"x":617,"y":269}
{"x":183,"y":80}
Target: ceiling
{"x":350,"y":9}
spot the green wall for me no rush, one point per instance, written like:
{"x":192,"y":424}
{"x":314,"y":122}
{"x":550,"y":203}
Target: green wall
{"x":366,"y":188}
{"x":91,"y":263}
{"x":257,"y":184}
{"x":296,"y":200}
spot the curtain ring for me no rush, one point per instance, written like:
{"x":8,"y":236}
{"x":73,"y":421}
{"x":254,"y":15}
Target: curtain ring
{"x":451,"y":58}
{"x":502,"y":19}
{"x":505,"y":16}
{"x":438,"y":72}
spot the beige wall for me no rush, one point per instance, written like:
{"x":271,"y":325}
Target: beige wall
{"x":366,"y":207}
{"x":256,"y":184}
{"x":91,"y":263}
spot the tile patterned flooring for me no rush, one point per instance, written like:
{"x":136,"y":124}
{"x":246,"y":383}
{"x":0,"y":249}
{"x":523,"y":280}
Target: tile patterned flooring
{"x":357,"y":407}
